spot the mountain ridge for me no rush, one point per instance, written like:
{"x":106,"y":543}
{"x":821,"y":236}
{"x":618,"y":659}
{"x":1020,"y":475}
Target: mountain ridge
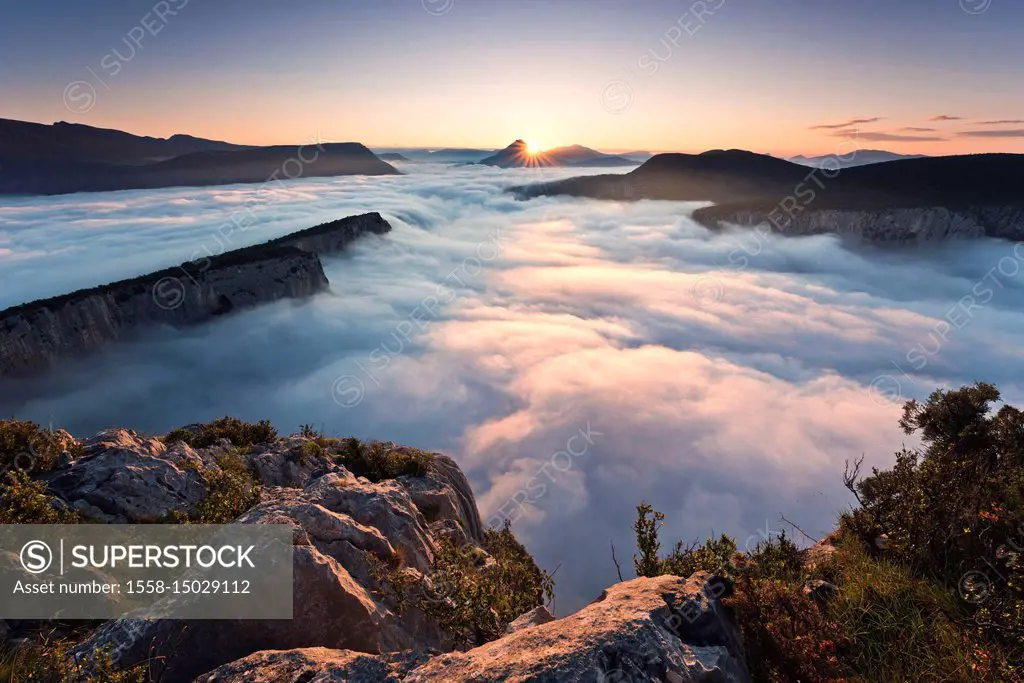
{"x":40,"y":159}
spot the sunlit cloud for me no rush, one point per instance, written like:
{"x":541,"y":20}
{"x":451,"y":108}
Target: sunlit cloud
{"x":1013,"y":133}
{"x":847,"y":124}
{"x":721,"y":411}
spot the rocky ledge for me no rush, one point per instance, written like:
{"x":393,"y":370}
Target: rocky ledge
{"x":36,"y":335}
{"x":898,"y":226}
{"x":661,"y":629}
{"x":347,"y":625}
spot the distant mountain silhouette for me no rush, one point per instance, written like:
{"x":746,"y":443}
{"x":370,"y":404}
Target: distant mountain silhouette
{"x":458,"y":155}
{"x":62,"y":158}
{"x":640,"y":156}
{"x":717,"y":175}
{"x":860,"y":157}
{"x":24,"y":140}
{"x":454,"y":155}
{"x":393,"y":156}
{"x":518,"y":155}
{"x":982,"y":190}
{"x":736,"y":175}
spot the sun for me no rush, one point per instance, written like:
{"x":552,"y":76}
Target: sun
{"x":533,"y":147}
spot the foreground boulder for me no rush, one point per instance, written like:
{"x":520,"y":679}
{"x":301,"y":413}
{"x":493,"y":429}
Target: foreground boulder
{"x":123,"y":478}
{"x":344,"y":527}
{"x":649,"y":629}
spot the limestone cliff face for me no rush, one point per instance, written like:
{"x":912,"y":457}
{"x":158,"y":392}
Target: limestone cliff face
{"x":337,"y":235}
{"x":35,"y":336}
{"x":884,"y":226}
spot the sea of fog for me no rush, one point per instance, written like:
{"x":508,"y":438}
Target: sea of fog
{"x":574,"y":356}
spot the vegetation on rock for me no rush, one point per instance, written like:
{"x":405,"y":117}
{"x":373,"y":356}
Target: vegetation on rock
{"x":924,"y":578}
{"x":473,"y":596}
{"x":26,"y":446}
{"x":378,"y":460}
{"x":24,"y":501}
{"x":240,"y":434}
{"x":51,"y":661}
{"x":232,"y":492}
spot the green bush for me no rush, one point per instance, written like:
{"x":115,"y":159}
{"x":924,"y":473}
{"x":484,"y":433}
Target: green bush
{"x":24,"y":501}
{"x":26,"y":446}
{"x":51,"y":661}
{"x":715,"y":555}
{"x":471,"y":600}
{"x":240,"y":434}
{"x":954,"y":509}
{"x":309,"y":449}
{"x":928,"y":570}
{"x":378,"y":461}
{"x":233,"y":491}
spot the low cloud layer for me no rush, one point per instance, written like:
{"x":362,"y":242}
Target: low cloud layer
{"x":575,"y":356}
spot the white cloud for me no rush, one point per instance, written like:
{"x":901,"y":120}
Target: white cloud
{"x":722,"y":411}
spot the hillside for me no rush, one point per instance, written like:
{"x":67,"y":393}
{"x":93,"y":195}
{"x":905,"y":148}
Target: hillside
{"x":909,"y":200}
{"x":65,"y":158}
{"x":518,"y":155}
{"x":858,"y":157}
{"x":22,"y":141}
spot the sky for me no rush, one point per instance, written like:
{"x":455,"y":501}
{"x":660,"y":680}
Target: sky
{"x":786,"y":77}
{"x":573,"y":356}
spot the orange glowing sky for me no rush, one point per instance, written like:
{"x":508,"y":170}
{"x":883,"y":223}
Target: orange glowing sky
{"x":650,"y":75}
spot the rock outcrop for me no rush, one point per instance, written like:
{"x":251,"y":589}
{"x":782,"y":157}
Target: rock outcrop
{"x":346,"y":625}
{"x":908,"y":201}
{"x":919,"y":226}
{"x":662,"y":629}
{"x":37,"y":335}
{"x":343,"y":527}
{"x":125,"y":478}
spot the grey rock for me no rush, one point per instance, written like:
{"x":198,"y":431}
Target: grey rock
{"x":535,"y":617}
{"x":64,"y":460}
{"x":125,"y":478}
{"x":341,"y":526}
{"x":820,"y":591}
{"x":637,"y":631}
{"x":283,"y":463}
{"x":445,"y":493}
{"x":449,"y":530}
{"x":316,"y":665}
{"x":820,"y":553}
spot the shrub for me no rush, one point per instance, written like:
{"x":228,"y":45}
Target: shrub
{"x":940,"y":600}
{"x":775,"y":558}
{"x":473,"y":601}
{"x":309,"y":449}
{"x":954,"y":509}
{"x":240,"y":434}
{"x":26,"y":446}
{"x":51,"y":661}
{"x":713,"y":556}
{"x":24,"y":501}
{"x":378,"y":461}
{"x":786,"y":636}
{"x":232,"y":492}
